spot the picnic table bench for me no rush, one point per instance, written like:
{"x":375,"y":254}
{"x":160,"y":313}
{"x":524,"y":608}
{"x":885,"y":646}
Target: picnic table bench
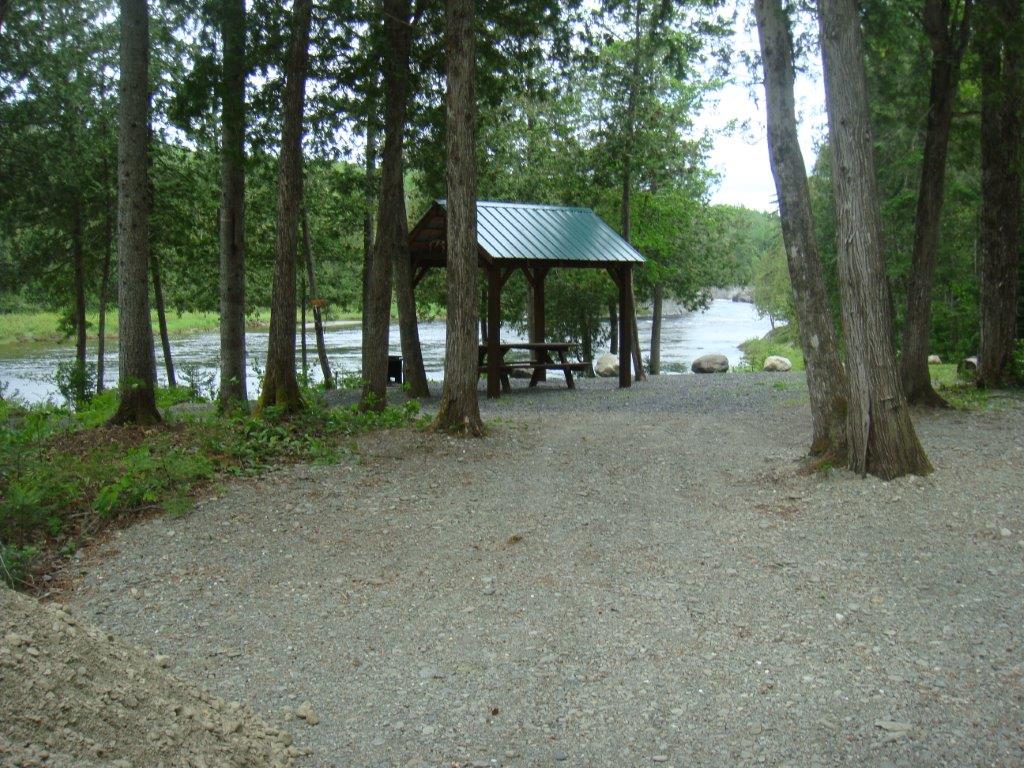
{"x":541,"y":363}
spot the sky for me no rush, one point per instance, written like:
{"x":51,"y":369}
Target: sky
{"x":740,"y":156}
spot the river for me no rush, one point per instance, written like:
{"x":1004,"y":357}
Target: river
{"x":720,"y":328}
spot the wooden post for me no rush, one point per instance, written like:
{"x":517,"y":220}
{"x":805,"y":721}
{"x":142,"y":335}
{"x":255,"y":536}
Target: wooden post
{"x":493,"y":331}
{"x":539,"y":332}
{"x":626,"y":320}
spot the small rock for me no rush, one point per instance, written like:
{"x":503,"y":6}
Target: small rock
{"x":934,"y":360}
{"x":561,"y":756}
{"x":659,"y":759}
{"x":431,"y":673}
{"x":305,"y":712}
{"x":1005,"y":532}
{"x":163,"y":660}
{"x":893,"y":726}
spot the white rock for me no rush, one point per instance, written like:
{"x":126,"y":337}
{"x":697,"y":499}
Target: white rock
{"x":934,"y":360}
{"x":777,"y":363}
{"x":607,"y":365}
{"x":710,"y":364}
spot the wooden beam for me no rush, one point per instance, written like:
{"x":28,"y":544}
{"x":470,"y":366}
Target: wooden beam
{"x":539,"y":331}
{"x":626,"y":319}
{"x":493,"y":331}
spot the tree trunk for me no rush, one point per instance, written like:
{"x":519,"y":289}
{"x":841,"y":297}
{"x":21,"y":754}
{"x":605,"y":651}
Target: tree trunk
{"x":826,"y":380}
{"x":136,"y":380}
{"x":280,"y":386}
{"x":101,"y":329}
{"x":398,"y":33}
{"x":948,"y":44}
{"x":78,"y":264}
{"x":314,"y":295}
{"x":161,"y":315}
{"x":637,"y":350}
{"x":881,"y":436}
{"x":369,"y":195}
{"x":233,"y":391}
{"x":391,"y":218}
{"x":303,"y":298}
{"x":657,"y":296}
{"x":459,"y":410}
{"x":613,"y":326}
{"x":999,"y":241}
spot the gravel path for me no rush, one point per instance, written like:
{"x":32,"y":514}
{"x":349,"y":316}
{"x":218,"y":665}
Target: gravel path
{"x":609,"y":579}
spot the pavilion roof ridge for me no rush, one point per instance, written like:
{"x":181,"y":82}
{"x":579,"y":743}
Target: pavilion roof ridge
{"x":518,"y":204}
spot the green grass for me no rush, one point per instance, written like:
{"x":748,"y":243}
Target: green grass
{"x":756,"y":350}
{"x":64,"y":478}
{"x":44,"y":328}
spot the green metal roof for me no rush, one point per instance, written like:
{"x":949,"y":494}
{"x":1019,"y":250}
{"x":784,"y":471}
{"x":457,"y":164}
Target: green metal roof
{"x":528,"y":232}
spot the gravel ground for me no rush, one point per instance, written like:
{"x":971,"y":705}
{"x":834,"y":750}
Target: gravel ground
{"x":609,"y":579}
{"x":75,"y":697}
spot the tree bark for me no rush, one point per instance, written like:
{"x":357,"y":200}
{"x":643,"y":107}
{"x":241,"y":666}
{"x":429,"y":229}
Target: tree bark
{"x":391,"y":218}
{"x":613,"y":327}
{"x":948,"y":40}
{"x":826,"y":380}
{"x":880,"y":434}
{"x":78,"y":265}
{"x":399,"y":40}
{"x":370,"y":182}
{"x":303,"y":298}
{"x":280,"y":386}
{"x":459,"y":410}
{"x":314,"y":296}
{"x":233,"y":391}
{"x":1000,"y":52}
{"x":101,"y":329}
{"x":161,"y":316}
{"x":136,"y":380}
{"x":657,"y":297}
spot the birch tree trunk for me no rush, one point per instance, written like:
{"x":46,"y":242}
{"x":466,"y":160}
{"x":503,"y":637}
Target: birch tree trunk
{"x":233,"y":392}
{"x":280,"y":385}
{"x":459,"y":410}
{"x":880,"y":434}
{"x":136,"y":380}
{"x":826,"y":379}
{"x":1000,"y":52}
{"x":948,"y":41}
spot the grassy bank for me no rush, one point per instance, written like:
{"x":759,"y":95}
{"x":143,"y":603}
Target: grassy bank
{"x":64,"y":478}
{"x":17,"y":328}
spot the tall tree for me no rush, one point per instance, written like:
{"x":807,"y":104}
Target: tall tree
{"x":947,"y":34}
{"x":459,"y":409}
{"x":317,"y":302}
{"x":280,"y":384}
{"x":1001,"y":48}
{"x":136,"y":377}
{"x":161,"y":317}
{"x":408,"y":327}
{"x":233,"y":392}
{"x":881,"y":436}
{"x":826,"y":380}
{"x":391,"y":249}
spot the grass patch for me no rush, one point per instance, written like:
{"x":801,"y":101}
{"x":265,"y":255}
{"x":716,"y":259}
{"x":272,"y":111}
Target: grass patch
{"x":65,"y":478}
{"x":756,"y":350}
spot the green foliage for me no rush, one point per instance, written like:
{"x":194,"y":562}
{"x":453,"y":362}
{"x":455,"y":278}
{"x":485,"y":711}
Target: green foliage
{"x":756,"y":350}
{"x":75,"y":382}
{"x":771,"y":289}
{"x":63,"y":478}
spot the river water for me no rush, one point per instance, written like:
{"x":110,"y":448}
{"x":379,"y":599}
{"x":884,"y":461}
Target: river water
{"x":721,"y":328}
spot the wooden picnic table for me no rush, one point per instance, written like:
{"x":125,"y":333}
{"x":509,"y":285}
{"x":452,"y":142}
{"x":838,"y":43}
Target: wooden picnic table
{"x":541,"y":363}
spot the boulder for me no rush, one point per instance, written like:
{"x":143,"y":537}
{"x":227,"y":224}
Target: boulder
{"x":607,"y":365}
{"x":777,"y":363}
{"x":934,"y":360}
{"x":710,"y":364}
{"x":969,"y":365}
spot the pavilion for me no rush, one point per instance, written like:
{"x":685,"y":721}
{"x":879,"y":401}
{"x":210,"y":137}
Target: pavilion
{"x":535,"y":239}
